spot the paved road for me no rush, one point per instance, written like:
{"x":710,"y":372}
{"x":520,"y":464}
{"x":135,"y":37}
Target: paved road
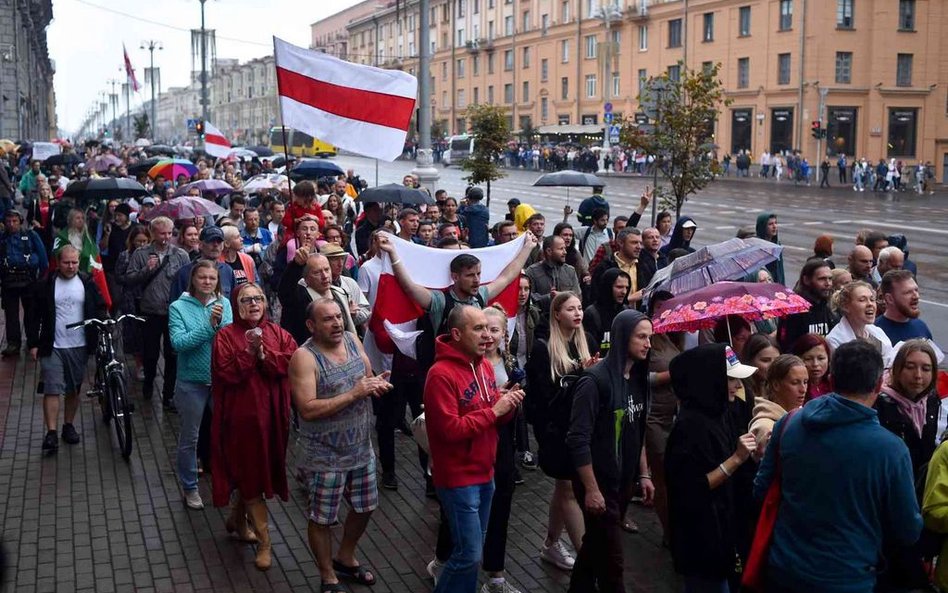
{"x":803,"y":213}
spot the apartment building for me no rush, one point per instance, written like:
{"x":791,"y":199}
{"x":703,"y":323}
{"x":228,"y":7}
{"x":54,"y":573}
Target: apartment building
{"x":875,"y":72}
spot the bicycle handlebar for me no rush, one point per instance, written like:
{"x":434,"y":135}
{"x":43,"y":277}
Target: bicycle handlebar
{"x":104,"y":322}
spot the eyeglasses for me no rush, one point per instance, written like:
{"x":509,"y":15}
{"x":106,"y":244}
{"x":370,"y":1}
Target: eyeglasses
{"x":252,"y":299}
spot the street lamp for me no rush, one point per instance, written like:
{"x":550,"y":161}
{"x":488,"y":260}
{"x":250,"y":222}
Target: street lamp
{"x":608,"y":14}
{"x":151,"y":45}
{"x":424,"y":162}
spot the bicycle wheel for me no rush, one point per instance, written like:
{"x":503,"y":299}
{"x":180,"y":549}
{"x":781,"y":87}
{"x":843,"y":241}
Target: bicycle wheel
{"x":121,"y":412}
{"x":103,"y":396}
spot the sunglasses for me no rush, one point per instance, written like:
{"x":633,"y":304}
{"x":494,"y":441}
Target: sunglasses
{"x":252,"y":299}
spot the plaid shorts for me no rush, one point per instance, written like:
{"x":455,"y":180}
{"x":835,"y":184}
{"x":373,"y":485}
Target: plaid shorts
{"x":326,"y":491}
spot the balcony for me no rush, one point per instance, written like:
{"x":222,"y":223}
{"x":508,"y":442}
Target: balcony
{"x":487,"y":44}
{"x":638,"y":11}
{"x":473,"y":46}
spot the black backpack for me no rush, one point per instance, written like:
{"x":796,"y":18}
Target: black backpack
{"x":425,"y":342}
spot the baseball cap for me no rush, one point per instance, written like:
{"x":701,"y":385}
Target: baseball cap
{"x":735,"y":368}
{"x":475,"y":193}
{"x":332,"y":250}
{"x":211,"y":233}
{"x":148,"y":201}
{"x":689,"y":224}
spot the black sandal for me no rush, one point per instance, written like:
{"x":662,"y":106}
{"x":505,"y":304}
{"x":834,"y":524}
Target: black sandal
{"x":337,"y":587}
{"x":359,"y":574}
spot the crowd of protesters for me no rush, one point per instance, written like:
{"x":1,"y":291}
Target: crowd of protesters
{"x":259,"y":316}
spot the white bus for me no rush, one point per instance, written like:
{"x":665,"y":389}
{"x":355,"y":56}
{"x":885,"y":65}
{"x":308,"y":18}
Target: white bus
{"x":459,"y":148}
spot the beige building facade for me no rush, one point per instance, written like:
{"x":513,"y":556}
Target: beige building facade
{"x":873,"y":72}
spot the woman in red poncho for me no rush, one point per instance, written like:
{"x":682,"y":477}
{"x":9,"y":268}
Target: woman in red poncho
{"x":251,"y":419}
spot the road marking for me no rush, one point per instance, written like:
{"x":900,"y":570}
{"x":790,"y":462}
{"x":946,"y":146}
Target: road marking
{"x":901,"y":226}
{"x":933,"y":303}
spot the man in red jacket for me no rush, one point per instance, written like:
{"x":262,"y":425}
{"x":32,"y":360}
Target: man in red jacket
{"x":462,"y":408}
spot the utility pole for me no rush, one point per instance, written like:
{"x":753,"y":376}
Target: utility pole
{"x":424,"y":168}
{"x":151,"y":45}
{"x":203,"y":66}
{"x":819,"y":142}
{"x":113,"y":100}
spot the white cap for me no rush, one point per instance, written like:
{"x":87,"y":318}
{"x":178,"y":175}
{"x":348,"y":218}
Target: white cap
{"x":735,"y":368}
{"x":689,"y":224}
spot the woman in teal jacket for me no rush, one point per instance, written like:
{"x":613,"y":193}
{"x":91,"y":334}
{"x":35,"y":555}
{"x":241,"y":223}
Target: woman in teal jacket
{"x":194,"y":319}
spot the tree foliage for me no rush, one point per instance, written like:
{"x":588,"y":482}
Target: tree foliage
{"x":683,"y":139}
{"x":141,"y":125}
{"x":488,"y":126}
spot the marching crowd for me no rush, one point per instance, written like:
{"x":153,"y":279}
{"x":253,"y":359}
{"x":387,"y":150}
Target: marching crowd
{"x":796,"y":454}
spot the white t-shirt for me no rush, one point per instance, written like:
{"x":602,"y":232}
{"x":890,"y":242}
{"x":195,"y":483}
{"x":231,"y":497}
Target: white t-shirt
{"x":70,"y":299}
{"x":369,"y":275}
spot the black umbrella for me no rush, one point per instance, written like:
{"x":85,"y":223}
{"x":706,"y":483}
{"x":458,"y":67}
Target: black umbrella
{"x":568,"y":179}
{"x":261,"y":150}
{"x":315,"y":169}
{"x":396,"y":193}
{"x":160,"y":149}
{"x":105,"y":188}
{"x":144,"y":165}
{"x":65,"y":159}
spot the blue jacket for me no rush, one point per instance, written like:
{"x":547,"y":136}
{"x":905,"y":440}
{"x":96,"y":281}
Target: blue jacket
{"x":13,"y":248}
{"x":846,"y":482}
{"x":192,"y":336}
{"x":477,"y":217}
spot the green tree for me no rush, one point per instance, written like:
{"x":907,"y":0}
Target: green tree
{"x":488,"y":125}
{"x":528,"y":132}
{"x":683,"y":136}
{"x":439,"y":129}
{"x":142,"y":127}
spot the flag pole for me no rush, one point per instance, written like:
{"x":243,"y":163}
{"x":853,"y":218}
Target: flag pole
{"x":286,"y":145}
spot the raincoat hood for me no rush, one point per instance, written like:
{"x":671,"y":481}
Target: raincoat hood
{"x":606,"y":305}
{"x":835,"y":410}
{"x":699,"y":379}
{"x":611,"y":370}
{"x":235,"y":306}
{"x":521,"y":214}
{"x":762,"y":227}
{"x":677,"y":239}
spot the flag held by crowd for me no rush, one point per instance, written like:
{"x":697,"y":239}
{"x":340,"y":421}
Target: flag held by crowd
{"x":360,"y":108}
{"x":430,"y":268}
{"x":129,"y":71}
{"x":215,"y":142}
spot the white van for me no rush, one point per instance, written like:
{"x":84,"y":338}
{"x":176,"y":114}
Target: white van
{"x":459,"y":148}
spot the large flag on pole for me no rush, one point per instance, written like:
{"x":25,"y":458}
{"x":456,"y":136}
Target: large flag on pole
{"x":360,"y":108}
{"x":430,"y":267}
{"x":129,"y":71}
{"x":215,"y":143}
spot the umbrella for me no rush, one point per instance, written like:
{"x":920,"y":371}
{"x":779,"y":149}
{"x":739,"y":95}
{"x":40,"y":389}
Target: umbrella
{"x":171,"y":168}
{"x":261,"y":150}
{"x":315,"y":169}
{"x":397,"y":194}
{"x":142,"y":142}
{"x":568,"y":178}
{"x":729,"y":260}
{"x":185,"y":207}
{"x":159,"y":149}
{"x":64,"y":159}
{"x":243,"y":154}
{"x":263,"y":183}
{"x":105,"y":188}
{"x":144,"y":165}
{"x":104,"y":161}
{"x":700,"y":309}
{"x":215,"y":186}
{"x":8,"y":145}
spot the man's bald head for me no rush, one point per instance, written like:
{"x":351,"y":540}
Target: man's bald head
{"x":468,"y":327}
{"x":318,"y":273}
{"x":860,"y":261}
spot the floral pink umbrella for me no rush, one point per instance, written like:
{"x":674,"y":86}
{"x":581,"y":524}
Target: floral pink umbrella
{"x":700,"y":309}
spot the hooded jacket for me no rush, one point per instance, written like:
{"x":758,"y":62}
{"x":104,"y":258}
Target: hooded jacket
{"x":597,"y":319}
{"x":846,"y":482}
{"x":678,"y":237}
{"x":702,"y":525}
{"x":192,"y":335}
{"x":935,"y":509}
{"x":766,"y":415}
{"x":820,"y":320}
{"x":607,"y":424}
{"x":775,"y":267}
{"x":462,"y":435}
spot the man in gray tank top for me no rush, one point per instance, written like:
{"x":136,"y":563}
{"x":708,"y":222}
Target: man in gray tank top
{"x":331,"y":381}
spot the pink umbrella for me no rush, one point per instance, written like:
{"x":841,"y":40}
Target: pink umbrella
{"x":104,"y":161}
{"x":185,"y":207}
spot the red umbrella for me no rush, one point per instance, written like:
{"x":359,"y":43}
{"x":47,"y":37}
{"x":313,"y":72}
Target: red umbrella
{"x":701,"y":308}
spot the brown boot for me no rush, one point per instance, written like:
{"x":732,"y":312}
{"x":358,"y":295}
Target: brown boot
{"x":237,"y":521}
{"x":258,"y":513}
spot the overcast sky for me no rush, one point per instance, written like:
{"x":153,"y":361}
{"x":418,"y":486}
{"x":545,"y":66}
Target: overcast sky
{"x":85,"y":40}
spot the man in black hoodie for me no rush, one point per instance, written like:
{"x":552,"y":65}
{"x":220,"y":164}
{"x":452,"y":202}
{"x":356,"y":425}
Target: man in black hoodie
{"x":605,"y":441}
{"x":681,"y":238}
{"x":815,"y":285}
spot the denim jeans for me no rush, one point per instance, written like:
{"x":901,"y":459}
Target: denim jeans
{"x":190,"y":399}
{"x":700,"y":585}
{"x":467,"y":510}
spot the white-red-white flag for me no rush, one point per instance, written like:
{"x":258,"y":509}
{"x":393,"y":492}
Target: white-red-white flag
{"x":129,"y":71}
{"x":215,"y":142}
{"x":360,"y":108}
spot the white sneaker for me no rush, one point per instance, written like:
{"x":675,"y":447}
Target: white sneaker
{"x":501,"y":587}
{"x":193,"y":499}
{"x":558,"y":555}
{"x":434,"y":570}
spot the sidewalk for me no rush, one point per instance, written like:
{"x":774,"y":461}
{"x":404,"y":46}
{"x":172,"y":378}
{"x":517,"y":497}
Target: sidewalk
{"x":85,"y":520}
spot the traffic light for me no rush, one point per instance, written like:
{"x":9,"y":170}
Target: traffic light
{"x":816,"y":129}
{"x":199,"y":128}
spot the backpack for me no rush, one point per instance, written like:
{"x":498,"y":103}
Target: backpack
{"x":425,"y":342}
{"x":17,"y":275}
{"x":585,"y":239}
{"x":586,"y":207}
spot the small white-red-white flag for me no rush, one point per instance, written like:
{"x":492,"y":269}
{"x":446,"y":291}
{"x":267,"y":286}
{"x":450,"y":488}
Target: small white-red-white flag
{"x":215,"y":143}
{"x":129,"y":71}
{"x":360,"y":108}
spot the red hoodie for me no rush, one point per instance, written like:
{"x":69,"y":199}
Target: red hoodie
{"x":459,"y":396}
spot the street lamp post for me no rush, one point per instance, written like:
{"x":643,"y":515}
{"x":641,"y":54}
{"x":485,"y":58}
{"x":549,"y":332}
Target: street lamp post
{"x":424,"y":167}
{"x":203,"y":66}
{"x":113,"y":100}
{"x":608,"y":15}
{"x":151,"y":45}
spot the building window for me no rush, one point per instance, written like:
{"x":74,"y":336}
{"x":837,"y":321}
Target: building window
{"x":477,"y":94}
{"x":591,"y":46}
{"x":562,"y":120}
{"x":526,"y":21}
{"x":590,"y":86}
{"x":544,"y":69}
{"x":490,"y":30}
{"x":844,"y":14}
{"x":564,"y":51}
{"x":708,"y":27}
{"x":564,"y":11}
{"x":564,"y":88}
{"x":743,"y":72}
{"x":674,"y":33}
{"x":707,"y":67}
{"x":490,"y":63}
{"x":744,"y":21}
{"x":526,"y":57}
{"x":476,"y":7}
{"x":508,"y":59}
{"x":490,"y":94}
{"x":508,"y":93}
{"x":444,"y":70}
{"x":643,"y":38}
{"x":461,"y":99}
{"x":461,"y":8}
{"x":783,"y":68}
{"x":902,"y":132}
{"x":476,"y":65}
{"x":643,"y":80}
{"x":786,"y":15}
{"x":616,"y":85}
{"x":508,"y":25}
{"x":544,"y":22}
{"x":906,"y":15}
{"x":844,"y":67}
{"x":903,"y":74}
{"x":525,"y":92}
{"x":544,"y":109}
{"x":674,"y":73}
{"x":460,"y":68}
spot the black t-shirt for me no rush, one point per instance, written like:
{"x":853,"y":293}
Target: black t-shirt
{"x":240,"y":275}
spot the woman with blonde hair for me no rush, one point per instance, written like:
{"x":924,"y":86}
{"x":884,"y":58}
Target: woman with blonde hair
{"x":856,"y":304}
{"x":553,"y":365}
{"x":787,"y":380}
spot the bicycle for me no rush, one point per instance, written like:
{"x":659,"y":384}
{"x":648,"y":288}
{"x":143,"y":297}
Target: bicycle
{"x":110,"y":386}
